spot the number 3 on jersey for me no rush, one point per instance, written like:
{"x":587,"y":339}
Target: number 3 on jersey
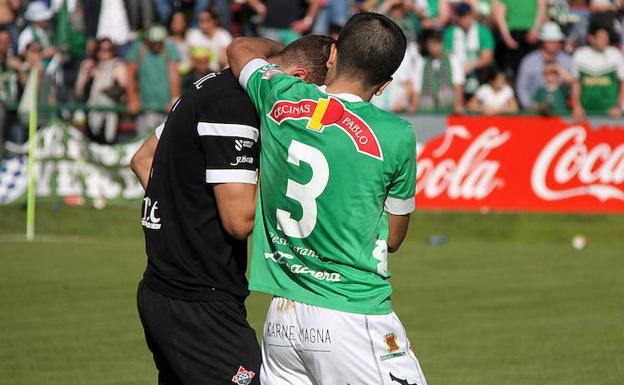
{"x":305,"y":194}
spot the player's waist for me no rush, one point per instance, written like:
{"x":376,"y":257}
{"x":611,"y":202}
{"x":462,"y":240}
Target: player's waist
{"x":192,"y":291}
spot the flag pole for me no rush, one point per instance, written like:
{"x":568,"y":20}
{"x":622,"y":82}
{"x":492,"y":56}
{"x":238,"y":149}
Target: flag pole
{"x":32,"y":131}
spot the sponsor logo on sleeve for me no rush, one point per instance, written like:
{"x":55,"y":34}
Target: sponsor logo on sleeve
{"x":243,"y":376}
{"x":270,"y":72}
{"x":323,"y":113}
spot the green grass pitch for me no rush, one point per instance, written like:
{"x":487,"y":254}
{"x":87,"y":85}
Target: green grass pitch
{"x":506,"y":300}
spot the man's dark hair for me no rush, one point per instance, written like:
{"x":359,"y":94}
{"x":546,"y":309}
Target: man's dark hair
{"x":595,"y":27}
{"x":434,"y":35}
{"x":371,"y":47}
{"x":310,"y":52}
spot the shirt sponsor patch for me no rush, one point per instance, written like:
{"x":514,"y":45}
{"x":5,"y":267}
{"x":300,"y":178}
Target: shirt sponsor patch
{"x":329,"y":112}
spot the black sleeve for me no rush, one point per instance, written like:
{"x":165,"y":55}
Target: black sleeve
{"x":229,"y":140}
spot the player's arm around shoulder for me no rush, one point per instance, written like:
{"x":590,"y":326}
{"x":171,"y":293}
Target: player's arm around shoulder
{"x":245,"y":49}
{"x":400,"y":202}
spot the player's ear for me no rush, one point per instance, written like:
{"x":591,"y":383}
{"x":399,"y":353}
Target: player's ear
{"x":333,"y":52}
{"x":381,"y":89}
{"x":299,"y":72}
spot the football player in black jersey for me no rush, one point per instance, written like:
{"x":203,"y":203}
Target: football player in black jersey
{"x":199,"y":175}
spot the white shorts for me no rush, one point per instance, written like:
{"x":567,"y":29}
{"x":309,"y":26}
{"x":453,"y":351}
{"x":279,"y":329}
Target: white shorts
{"x":310,"y":345}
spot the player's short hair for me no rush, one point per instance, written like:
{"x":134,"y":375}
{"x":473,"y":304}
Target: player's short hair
{"x":310,"y":52}
{"x":371,"y":47}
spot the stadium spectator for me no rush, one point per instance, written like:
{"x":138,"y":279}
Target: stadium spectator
{"x":435,"y":14}
{"x":153,"y":78}
{"x":9,"y":10}
{"x":606,"y":13}
{"x":9,"y":84}
{"x":471,"y":43}
{"x":285,"y":20}
{"x":9,"y":67}
{"x":102,"y":81}
{"x":331,"y":13}
{"x":400,"y":11}
{"x":439,"y":79}
{"x":141,"y":14}
{"x":177,"y":35}
{"x":531,"y":71}
{"x":399,"y":94}
{"x":496,"y":96}
{"x":113,"y":23}
{"x":211,"y":36}
{"x":38,"y":16}
{"x":519,"y":23}
{"x":200,"y":59}
{"x":551,"y":98}
{"x":598,"y":71}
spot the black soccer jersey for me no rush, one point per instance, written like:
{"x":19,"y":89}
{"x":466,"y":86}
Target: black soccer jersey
{"x":210,"y":137}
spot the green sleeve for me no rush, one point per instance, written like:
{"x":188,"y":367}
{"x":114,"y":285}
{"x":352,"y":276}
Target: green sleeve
{"x":486,"y":40}
{"x":448,"y":40}
{"x":403,"y":185}
{"x":266,"y":84}
{"x":133,"y":52}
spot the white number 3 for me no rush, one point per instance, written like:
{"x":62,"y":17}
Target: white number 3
{"x":305,"y":194}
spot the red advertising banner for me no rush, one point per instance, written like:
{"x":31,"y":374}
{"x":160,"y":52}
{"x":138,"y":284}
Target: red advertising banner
{"x":522,"y":164}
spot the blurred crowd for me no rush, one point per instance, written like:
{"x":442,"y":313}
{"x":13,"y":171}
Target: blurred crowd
{"x":129,"y":60}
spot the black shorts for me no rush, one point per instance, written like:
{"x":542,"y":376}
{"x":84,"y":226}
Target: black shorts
{"x":199,"y":342}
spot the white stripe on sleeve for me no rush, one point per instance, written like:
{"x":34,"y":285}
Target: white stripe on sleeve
{"x":159,"y":130}
{"x":249,"y":70}
{"x":223,"y":129}
{"x":396,"y":206}
{"x":231,"y":176}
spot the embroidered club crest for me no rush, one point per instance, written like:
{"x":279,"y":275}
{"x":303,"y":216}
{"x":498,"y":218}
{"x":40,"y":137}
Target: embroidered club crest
{"x":243,"y":376}
{"x":391,"y":342}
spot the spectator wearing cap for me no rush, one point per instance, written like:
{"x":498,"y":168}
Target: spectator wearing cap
{"x":38,"y":16}
{"x":211,"y":36}
{"x":471,"y":43}
{"x":531,"y":71}
{"x":598,"y":71}
{"x":200,"y":67}
{"x":519,"y":23}
{"x":153,"y":78}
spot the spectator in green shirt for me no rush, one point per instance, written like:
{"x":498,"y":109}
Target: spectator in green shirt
{"x":471,"y":43}
{"x":519,"y":23}
{"x":153,"y":78}
{"x":552,"y":97}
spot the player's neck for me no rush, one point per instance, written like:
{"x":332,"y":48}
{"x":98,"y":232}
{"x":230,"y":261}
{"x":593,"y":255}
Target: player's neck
{"x":342,"y":85}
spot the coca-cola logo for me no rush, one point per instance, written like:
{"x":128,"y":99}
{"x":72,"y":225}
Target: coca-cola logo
{"x":460,"y":171}
{"x":574,"y":169}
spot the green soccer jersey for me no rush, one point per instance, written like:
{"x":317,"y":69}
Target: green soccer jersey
{"x":599,"y":74}
{"x":331,"y":168}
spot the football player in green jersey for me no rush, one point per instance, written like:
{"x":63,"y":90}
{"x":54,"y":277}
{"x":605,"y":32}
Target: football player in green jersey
{"x":336,"y":187}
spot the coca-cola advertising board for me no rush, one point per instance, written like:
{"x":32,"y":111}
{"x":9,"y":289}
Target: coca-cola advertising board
{"x":522,"y":164}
